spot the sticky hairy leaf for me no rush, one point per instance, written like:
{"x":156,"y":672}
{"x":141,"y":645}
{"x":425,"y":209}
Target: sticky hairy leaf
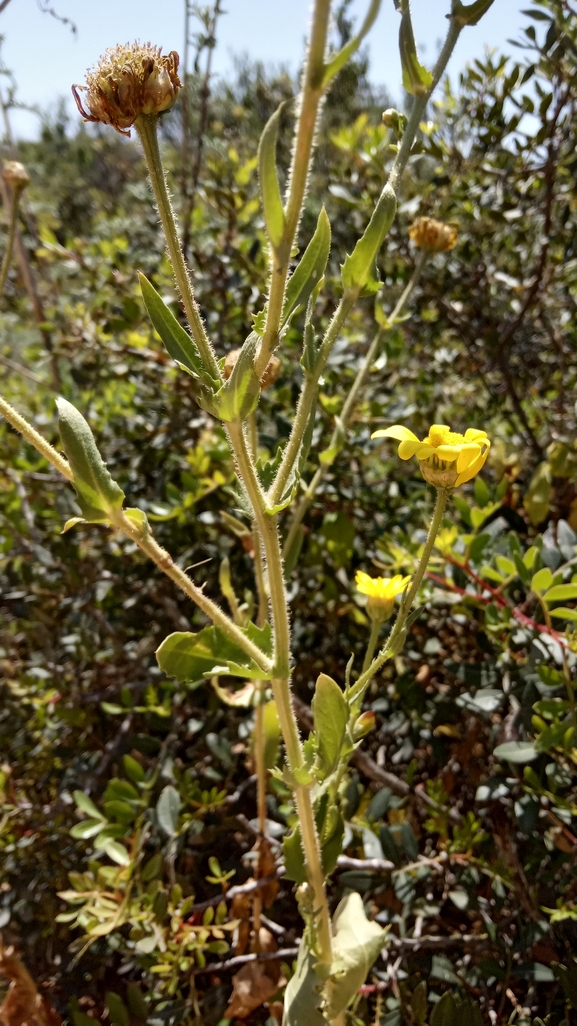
{"x":98,"y":495}
{"x":189,"y":657}
{"x":356,"y":944}
{"x":269,"y":183}
{"x":310,"y":269}
{"x":358,"y":268}
{"x":416,"y":78}
{"x":331,"y":715}
{"x":239,"y":396}
{"x":178,"y":342}
{"x":470,"y":14}
{"x":302,"y":996}
{"x":338,"y":60}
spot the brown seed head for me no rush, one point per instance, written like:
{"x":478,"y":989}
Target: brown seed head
{"x":16,"y":175}
{"x":128,"y":81}
{"x":433,"y":236}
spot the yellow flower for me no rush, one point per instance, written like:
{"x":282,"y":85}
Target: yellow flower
{"x":433,"y":236}
{"x":128,"y":81}
{"x":381,"y":592}
{"x":447,"y":458}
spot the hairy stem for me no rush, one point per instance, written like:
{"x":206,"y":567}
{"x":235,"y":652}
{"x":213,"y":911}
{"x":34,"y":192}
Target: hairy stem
{"x":146,"y":126}
{"x":280,"y":684}
{"x":395,"y":640}
{"x":373,"y":639}
{"x":31,"y":435}
{"x":309,"y":101}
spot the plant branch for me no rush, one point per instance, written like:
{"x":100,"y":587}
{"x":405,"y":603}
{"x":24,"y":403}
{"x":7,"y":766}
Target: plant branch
{"x":146,"y":126}
{"x":31,"y":435}
{"x":350,"y":403}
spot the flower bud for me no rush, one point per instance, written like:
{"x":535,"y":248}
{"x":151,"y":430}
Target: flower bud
{"x":365,"y":723}
{"x":433,"y":236}
{"x":16,"y":175}
{"x":129,"y":81}
{"x":438,"y":472}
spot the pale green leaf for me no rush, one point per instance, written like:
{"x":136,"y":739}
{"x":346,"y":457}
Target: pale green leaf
{"x":339,"y":59}
{"x":470,"y":14}
{"x":516,"y":751}
{"x":331,"y":716}
{"x":356,"y":944}
{"x":178,"y":342}
{"x":98,"y":495}
{"x":416,"y":79}
{"x":564,"y":613}
{"x":117,"y":853}
{"x":87,"y":805}
{"x":310,"y":270}
{"x":239,"y":396}
{"x":167,"y":809}
{"x":358,"y":268}
{"x":302,"y":999}
{"x":88,"y":828}
{"x":189,"y":657}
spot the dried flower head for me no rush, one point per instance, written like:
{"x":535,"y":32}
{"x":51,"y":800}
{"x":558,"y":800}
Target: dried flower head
{"x":16,"y":175}
{"x":128,"y":81}
{"x":433,"y":236}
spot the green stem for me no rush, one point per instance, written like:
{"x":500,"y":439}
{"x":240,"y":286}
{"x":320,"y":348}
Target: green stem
{"x":350,"y":403}
{"x":35,"y":439}
{"x":396,"y":637}
{"x":165,"y":562}
{"x":280,"y":683}
{"x":309,"y":101}
{"x":307,"y":400}
{"x":146,"y":126}
{"x":375,"y":631}
{"x":16,"y":193}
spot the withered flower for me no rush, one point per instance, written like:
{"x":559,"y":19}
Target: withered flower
{"x":16,"y":175}
{"x":433,"y":236}
{"x":128,"y":81}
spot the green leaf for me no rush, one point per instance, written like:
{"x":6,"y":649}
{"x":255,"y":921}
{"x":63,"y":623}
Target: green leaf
{"x":178,"y":342}
{"x":87,"y":805}
{"x":117,"y":1010}
{"x":356,"y":944}
{"x":516,"y":751}
{"x":537,"y":499}
{"x":550,"y":737}
{"x":331,"y":716}
{"x":358,"y":273}
{"x":98,"y":495}
{"x":294,"y":856}
{"x":302,"y":999}
{"x":445,"y":1012}
{"x":339,"y":59}
{"x":133,"y":769}
{"x":310,"y":269}
{"x":542,"y":580}
{"x":239,"y":396}
{"x":88,"y":828}
{"x":117,"y":853}
{"x":167,"y":809}
{"x":189,"y":657}
{"x":564,"y":613}
{"x":470,"y":14}
{"x":567,"y":976}
{"x":153,"y":867}
{"x":269,"y":184}
{"x":506,"y":566}
{"x":561,"y":592}
{"x":416,"y":79}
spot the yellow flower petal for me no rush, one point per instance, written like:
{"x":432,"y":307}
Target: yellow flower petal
{"x":467,"y":456}
{"x":474,"y":435}
{"x":409,"y":448}
{"x":472,"y":469}
{"x":449,"y":453}
{"x":398,"y":431}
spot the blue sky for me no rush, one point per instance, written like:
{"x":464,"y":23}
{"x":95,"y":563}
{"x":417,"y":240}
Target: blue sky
{"x":46,"y":58}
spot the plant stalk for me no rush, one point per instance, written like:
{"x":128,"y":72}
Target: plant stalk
{"x":280,"y":684}
{"x":31,"y":435}
{"x":348,"y":408}
{"x":309,"y":102}
{"x":7,"y":259}
{"x":395,"y":640}
{"x":146,"y":126}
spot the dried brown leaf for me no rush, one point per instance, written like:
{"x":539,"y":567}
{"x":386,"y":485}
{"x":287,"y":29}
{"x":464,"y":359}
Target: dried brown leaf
{"x":23,"y":1005}
{"x":266,"y":867}
{"x":255,"y":983}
